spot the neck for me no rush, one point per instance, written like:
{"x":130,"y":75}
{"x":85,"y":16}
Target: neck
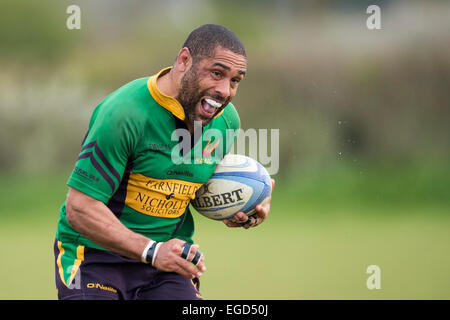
{"x":167,"y":84}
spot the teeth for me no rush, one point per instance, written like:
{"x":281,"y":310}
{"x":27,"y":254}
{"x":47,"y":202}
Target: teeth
{"x":213,"y":103}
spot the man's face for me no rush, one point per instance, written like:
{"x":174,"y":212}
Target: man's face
{"x":210,"y":84}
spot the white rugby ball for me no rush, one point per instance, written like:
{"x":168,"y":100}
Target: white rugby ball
{"x":239,"y":183}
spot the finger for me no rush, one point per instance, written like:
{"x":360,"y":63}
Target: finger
{"x":251,"y":222}
{"x":192,"y":254}
{"x":196,"y":258}
{"x":201,"y":264}
{"x":267,"y":202}
{"x":177,"y":249}
{"x":194,"y":249}
{"x":247,"y":223}
{"x":188,"y":251}
{"x":187,"y":247}
{"x":182,"y":271}
{"x":261,"y":211}
{"x":231,"y":224}
{"x":261,"y":214}
{"x":255,"y":223}
{"x":240,"y":217}
{"x":273,"y":184}
{"x":188,"y":267}
{"x":236,"y":219}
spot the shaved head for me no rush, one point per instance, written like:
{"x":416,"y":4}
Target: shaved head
{"x":203,"y":41}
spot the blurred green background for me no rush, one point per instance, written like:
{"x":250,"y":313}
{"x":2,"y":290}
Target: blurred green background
{"x":364,"y":175}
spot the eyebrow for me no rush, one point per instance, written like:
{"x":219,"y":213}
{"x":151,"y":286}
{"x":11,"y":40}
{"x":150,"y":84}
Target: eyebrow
{"x":218,"y":64}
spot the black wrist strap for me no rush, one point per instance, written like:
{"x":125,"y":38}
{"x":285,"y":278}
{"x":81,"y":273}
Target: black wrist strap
{"x":150,"y":252}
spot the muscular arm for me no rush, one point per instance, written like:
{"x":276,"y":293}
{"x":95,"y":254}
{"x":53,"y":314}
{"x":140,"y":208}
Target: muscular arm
{"x":95,"y":221}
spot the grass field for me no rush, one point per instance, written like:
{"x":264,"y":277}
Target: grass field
{"x":305,"y":250}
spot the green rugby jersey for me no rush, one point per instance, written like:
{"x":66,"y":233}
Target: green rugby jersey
{"x":127,"y":161}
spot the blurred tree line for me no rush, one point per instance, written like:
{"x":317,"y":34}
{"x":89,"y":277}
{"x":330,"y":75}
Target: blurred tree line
{"x":337,"y":91}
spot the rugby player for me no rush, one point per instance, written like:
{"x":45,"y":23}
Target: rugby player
{"x":125,"y":230}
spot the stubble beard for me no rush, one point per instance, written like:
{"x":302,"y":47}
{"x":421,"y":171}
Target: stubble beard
{"x":190,"y":94}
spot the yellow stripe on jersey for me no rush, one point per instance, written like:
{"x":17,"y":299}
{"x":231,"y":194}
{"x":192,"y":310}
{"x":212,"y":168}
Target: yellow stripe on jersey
{"x":58,"y":262}
{"x":167,"y":198}
{"x":77,"y":263}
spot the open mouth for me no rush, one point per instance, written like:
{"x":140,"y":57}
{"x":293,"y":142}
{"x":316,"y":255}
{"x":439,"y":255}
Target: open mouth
{"x":209,"y":107}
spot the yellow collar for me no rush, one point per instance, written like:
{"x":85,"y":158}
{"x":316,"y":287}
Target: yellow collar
{"x":166,"y":101}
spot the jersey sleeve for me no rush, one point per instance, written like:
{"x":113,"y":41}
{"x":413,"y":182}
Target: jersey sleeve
{"x":105,"y":151}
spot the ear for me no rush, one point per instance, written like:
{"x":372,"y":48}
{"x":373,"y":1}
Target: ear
{"x":184,"y":60}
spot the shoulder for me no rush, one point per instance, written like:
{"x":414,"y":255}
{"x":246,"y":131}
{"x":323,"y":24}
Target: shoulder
{"x":131,"y":103}
{"x":128,"y":98}
{"x":123,"y":114}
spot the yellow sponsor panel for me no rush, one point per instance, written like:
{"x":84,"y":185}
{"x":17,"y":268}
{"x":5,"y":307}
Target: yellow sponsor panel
{"x":167,"y":198}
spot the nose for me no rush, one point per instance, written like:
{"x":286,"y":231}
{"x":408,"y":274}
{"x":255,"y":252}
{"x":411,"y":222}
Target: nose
{"x":223,"y":89}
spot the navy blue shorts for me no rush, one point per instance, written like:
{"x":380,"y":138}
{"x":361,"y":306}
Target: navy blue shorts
{"x":83,"y":273}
